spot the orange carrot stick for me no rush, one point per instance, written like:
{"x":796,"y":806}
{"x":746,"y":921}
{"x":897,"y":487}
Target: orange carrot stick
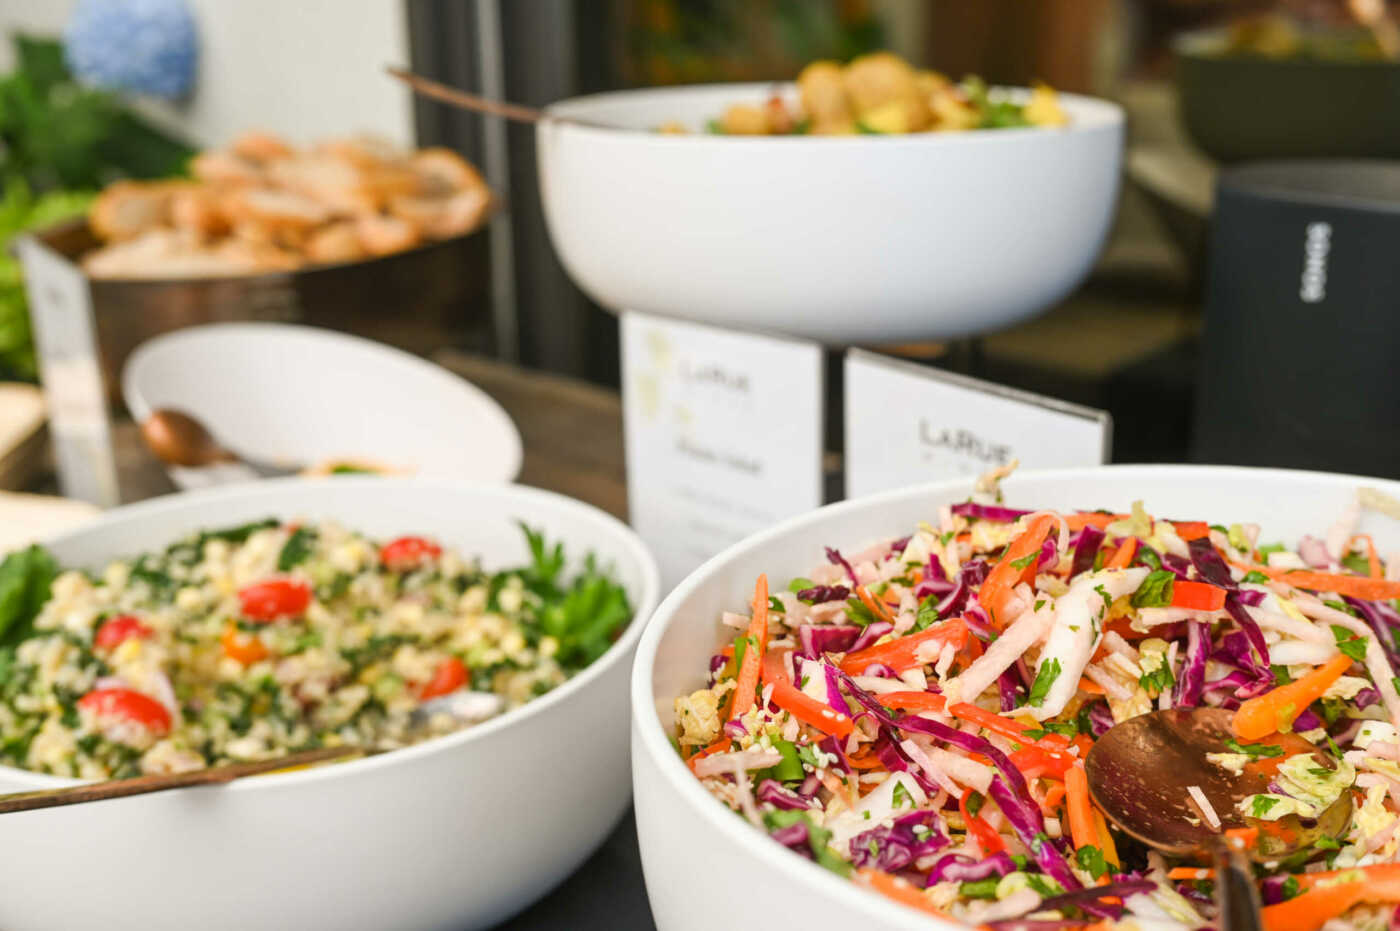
{"x":1329,"y":895}
{"x":1123,"y":556}
{"x":744,"y":692}
{"x":1018,"y":565}
{"x":1354,"y":585}
{"x":1277,"y":708}
{"x":899,"y":890}
{"x":874,"y":605}
{"x":1081,"y":810}
{"x":1373,"y":562}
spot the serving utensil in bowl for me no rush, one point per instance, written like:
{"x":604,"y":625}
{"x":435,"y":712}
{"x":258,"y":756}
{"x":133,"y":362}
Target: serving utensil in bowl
{"x":459,"y":831}
{"x":291,"y":396}
{"x":838,"y":239}
{"x":691,"y":840}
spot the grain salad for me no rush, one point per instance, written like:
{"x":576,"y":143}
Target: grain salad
{"x":255,"y":641}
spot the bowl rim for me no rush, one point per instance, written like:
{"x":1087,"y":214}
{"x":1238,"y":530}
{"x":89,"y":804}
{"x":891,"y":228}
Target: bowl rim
{"x":170,"y":341}
{"x":1095,"y":114}
{"x":1205,"y":45}
{"x":682,"y":785}
{"x":631,"y":547}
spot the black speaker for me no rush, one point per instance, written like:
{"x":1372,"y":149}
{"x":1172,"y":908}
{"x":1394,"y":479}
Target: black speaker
{"x":1301,"y":349}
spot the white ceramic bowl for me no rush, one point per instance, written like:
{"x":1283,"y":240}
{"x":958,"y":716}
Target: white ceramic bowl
{"x":300,"y":395}
{"x":838,"y":239}
{"x":691,"y":841}
{"x":457,"y":832}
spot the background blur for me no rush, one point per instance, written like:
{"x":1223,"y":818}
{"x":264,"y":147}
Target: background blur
{"x":313,"y":68}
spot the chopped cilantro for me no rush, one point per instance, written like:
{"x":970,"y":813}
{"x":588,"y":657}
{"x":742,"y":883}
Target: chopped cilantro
{"x":800,"y":584}
{"x":775,"y":604}
{"x":1039,"y":603}
{"x":1107,"y":598}
{"x":1044,"y":679}
{"x":1281,"y":674}
{"x":1261,"y":805}
{"x":1349,"y":643}
{"x":1155,"y":590}
{"x":1290,"y":888}
{"x":1091,"y":859}
{"x":975,"y":801}
{"x":1025,"y":561}
{"x":901,"y":798}
{"x":1255,"y":577}
{"x":297,"y":548}
{"x":1254,"y":751}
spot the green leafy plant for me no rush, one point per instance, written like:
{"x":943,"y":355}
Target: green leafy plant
{"x":59,"y":142}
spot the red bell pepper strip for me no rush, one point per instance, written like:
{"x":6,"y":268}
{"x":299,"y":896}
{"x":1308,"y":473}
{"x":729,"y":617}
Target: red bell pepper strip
{"x":901,"y":653}
{"x":1197,"y":596}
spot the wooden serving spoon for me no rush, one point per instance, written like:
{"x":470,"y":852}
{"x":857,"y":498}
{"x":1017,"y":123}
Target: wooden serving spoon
{"x":179,"y":439}
{"x":1140,"y":773}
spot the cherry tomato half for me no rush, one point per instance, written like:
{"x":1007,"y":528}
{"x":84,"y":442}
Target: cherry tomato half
{"x":450,"y":676}
{"x":276,"y":598}
{"x":116,"y":630}
{"x":128,"y":705}
{"x":408,"y":553}
{"x":244,"y":647}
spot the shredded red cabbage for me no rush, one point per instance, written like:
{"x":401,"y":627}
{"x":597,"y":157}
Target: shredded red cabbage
{"x":1010,"y":792}
{"x":821,"y":594}
{"x":899,"y":545}
{"x":777,"y":795}
{"x":1187,"y":693}
{"x":893,"y":847}
{"x":954,"y":867}
{"x":1240,"y":614}
{"x":834,"y":557}
{"x":1209,"y":565}
{"x":1100,"y":718}
{"x":1383,"y":621}
{"x":975,"y":571}
{"x":1085,"y":549}
{"x":1008,"y":688}
{"x":871,"y":633}
{"x":794,"y":837}
{"x":993,"y":512}
{"x":817,"y":639}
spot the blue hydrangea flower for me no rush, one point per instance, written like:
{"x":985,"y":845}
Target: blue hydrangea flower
{"x":144,"y":46}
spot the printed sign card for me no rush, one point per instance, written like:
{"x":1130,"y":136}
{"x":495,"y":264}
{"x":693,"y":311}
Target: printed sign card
{"x":907,"y":424}
{"x":723,"y":433}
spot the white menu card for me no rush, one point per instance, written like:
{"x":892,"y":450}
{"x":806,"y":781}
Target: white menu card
{"x":723,"y":433}
{"x":907,"y":423}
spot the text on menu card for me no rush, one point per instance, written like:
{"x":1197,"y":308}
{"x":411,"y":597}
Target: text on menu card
{"x":723,"y":433}
{"x":906,"y":424}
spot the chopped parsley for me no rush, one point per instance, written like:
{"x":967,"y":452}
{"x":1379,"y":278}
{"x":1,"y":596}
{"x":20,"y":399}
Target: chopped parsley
{"x":297,"y":548}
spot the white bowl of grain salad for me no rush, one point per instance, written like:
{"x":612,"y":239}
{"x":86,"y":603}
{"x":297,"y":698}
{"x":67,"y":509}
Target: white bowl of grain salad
{"x":251,"y":621}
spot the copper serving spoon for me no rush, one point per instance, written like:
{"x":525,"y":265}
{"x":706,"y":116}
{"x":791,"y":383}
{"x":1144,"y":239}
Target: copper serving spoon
{"x":515,"y":112}
{"x":179,"y":439}
{"x":1139,"y":775}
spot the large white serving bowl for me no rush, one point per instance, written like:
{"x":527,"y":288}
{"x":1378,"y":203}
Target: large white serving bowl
{"x":691,"y":841}
{"x":305,"y":396}
{"x":839,"y":239}
{"x":454,"y":833}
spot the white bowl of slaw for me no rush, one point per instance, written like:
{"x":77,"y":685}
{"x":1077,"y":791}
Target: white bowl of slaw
{"x":457,"y":832}
{"x":930,"y":235}
{"x":695,"y":850}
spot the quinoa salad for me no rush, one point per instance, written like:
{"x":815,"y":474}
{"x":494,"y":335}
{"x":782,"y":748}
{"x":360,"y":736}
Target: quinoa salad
{"x":252,"y":642}
{"x":914,"y":715}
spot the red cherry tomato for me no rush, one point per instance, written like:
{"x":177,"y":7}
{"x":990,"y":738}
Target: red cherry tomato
{"x":408,"y":553}
{"x":273,"y":599}
{"x":128,"y":705}
{"x":450,"y":676}
{"x":117,"y":629}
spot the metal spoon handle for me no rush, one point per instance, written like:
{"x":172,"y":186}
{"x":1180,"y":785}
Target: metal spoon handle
{"x":1235,"y":891}
{"x":142,"y":785}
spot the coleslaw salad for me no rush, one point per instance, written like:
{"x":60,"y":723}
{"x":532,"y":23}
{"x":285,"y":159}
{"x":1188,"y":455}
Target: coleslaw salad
{"x":915,"y":715}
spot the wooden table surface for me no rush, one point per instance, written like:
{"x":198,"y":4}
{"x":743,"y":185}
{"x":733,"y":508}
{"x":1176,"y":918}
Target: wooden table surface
{"x":571,"y":431}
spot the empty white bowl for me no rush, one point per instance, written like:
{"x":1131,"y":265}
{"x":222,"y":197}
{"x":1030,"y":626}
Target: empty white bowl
{"x":455,"y":833}
{"x":305,"y":396}
{"x":838,"y":239}
{"x":691,"y":841}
